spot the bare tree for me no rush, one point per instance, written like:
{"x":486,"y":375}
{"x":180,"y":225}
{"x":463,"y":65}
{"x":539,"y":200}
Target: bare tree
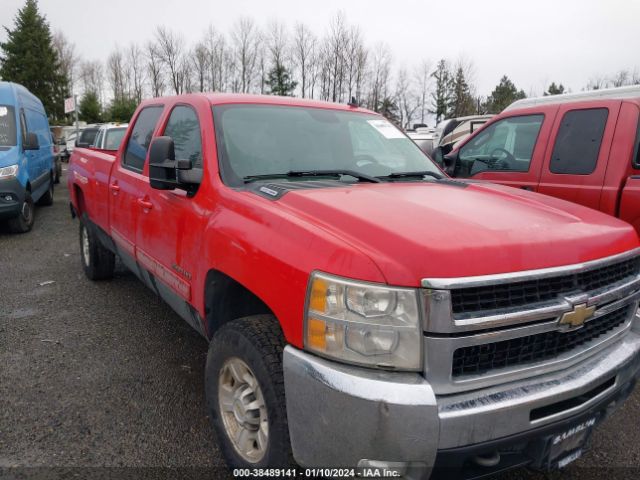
{"x":154,"y":69}
{"x":117,"y":74}
{"x":354,"y":53}
{"x":200,"y":60}
{"x":334,"y":51}
{"x":246,"y":40}
{"x":137,"y":71}
{"x":407,"y":100}
{"x":219,"y":62}
{"x":381,"y":67}
{"x":422,"y":75}
{"x":597,"y":82}
{"x":91,"y":78}
{"x":170,"y":49}
{"x":620,"y":79}
{"x":66,"y":56}
{"x":304,"y":52}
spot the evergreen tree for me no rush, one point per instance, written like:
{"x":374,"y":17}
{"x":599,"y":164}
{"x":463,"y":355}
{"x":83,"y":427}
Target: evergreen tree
{"x":29,"y":58}
{"x":280,"y":82}
{"x":389,"y":110}
{"x":90,"y":109}
{"x":554,"y":89}
{"x":122,"y":109}
{"x":502,"y":96}
{"x":462,"y":102}
{"x":442,"y":93}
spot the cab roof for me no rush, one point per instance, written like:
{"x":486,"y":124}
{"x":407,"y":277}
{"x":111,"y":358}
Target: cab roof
{"x":241,"y":98}
{"x":621,"y":93}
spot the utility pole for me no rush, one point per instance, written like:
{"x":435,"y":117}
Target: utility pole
{"x":75,"y":114}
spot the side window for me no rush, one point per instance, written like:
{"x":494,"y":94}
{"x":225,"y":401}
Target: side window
{"x":140,"y":138}
{"x":506,"y":146}
{"x":184,"y":128}
{"x":578,"y":142}
{"x":23,"y":127}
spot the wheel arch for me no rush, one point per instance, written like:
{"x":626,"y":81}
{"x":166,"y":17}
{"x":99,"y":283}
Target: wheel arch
{"x":226,"y":300}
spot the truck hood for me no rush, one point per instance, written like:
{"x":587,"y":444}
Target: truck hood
{"x":417,"y":230}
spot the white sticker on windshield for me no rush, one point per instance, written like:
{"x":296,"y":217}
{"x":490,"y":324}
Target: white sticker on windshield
{"x":386,"y":128}
{"x":3,"y":111}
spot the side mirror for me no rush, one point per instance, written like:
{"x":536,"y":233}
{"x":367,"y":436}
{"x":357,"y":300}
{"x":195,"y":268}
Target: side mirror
{"x":167,"y":173}
{"x":450,"y":161}
{"x":162,"y":164}
{"x":31,"y":142}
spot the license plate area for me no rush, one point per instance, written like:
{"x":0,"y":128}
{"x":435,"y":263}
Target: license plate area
{"x":565,"y":446}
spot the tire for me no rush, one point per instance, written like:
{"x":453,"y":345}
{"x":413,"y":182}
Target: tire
{"x":98,"y":263}
{"x":47,"y":199}
{"x":257,"y":343}
{"x":24,"y":221}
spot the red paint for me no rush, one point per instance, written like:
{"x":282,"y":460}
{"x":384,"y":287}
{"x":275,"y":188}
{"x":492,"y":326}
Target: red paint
{"x":605,"y":189}
{"x":395,"y":233}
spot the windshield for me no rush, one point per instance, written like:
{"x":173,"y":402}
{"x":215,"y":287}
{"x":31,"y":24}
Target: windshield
{"x":8,"y":132}
{"x":114,"y":138}
{"x":258,"y":140}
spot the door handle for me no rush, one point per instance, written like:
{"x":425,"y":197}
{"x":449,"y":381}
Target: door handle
{"x":527,"y":187}
{"x":145,"y":204}
{"x":115,"y":188}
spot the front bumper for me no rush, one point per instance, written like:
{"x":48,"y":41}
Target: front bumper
{"x":10,"y":207}
{"x":340,"y":415}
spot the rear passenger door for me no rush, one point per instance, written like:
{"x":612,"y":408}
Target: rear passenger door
{"x":127,"y":184}
{"x":577,"y":153}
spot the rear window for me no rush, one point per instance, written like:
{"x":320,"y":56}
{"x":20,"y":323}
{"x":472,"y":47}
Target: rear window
{"x":578,"y":142}
{"x":8,"y":131}
{"x":140,"y":139}
{"x":88,"y":136}
{"x":114,"y":138}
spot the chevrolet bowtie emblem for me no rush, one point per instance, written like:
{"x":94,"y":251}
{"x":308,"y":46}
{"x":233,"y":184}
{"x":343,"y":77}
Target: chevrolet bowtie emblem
{"x":577,"y":316}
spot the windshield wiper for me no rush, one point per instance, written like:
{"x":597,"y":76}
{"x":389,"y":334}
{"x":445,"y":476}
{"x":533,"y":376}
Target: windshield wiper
{"x":435,"y":175}
{"x":313,"y":173}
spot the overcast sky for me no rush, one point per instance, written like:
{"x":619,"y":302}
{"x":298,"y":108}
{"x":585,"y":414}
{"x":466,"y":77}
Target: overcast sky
{"x":533,"y":42}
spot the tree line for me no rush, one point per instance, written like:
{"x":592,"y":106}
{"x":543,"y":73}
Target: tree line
{"x":337,"y":65}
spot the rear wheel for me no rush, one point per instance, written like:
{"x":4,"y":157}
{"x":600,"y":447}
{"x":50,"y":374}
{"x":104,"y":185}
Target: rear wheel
{"x":24,"y":221}
{"x":245,"y":393}
{"x":98,"y":262}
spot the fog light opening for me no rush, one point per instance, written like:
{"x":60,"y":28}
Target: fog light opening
{"x":488,"y":459}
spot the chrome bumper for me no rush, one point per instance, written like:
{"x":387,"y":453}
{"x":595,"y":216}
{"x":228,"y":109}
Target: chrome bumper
{"x":340,"y":415}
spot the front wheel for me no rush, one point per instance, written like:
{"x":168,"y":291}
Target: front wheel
{"x":24,"y":221}
{"x":244,"y":385}
{"x":98,"y":262}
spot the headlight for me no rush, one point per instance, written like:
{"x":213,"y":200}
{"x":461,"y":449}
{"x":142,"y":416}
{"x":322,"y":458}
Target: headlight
{"x":363,"y":323}
{"x":10,"y":171}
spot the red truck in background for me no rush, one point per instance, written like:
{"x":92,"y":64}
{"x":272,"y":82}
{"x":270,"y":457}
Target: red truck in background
{"x":581,"y":147}
{"x":363,"y":310}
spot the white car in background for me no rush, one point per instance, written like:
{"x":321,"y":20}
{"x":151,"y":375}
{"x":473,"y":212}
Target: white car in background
{"x":453,"y":130}
{"x":110,"y":136}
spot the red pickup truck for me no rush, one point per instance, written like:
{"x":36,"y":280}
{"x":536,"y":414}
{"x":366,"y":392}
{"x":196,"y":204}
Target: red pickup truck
{"x":581,"y":147}
{"x":364,"y":311}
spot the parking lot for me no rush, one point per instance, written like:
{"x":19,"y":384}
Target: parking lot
{"x":106,"y":375}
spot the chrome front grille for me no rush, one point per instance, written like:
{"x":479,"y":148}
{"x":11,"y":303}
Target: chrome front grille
{"x":515,"y":332}
{"x":480,"y":359}
{"x":475,"y":300}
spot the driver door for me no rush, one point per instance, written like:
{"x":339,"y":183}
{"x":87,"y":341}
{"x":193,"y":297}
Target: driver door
{"x":509,"y":151}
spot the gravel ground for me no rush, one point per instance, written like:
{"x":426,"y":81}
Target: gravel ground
{"x":96,"y":375}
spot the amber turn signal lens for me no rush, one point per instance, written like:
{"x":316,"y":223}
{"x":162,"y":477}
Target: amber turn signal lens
{"x":318,"y":299}
{"x":316,"y":334}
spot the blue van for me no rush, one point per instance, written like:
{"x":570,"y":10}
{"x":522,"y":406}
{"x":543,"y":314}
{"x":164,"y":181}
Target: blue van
{"x":26,"y":157}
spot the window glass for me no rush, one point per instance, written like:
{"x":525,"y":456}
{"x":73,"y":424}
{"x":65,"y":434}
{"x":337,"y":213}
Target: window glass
{"x":8,"y":131}
{"x":39,"y":125}
{"x":506,"y":145}
{"x":113,"y":138}
{"x":183,"y":127}
{"x":98,"y":140}
{"x":140,"y":139}
{"x":88,"y":136}
{"x":266,"y":140}
{"x":578,"y":142}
